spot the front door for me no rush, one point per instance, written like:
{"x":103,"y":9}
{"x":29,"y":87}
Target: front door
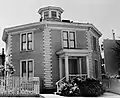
{"x":74,"y":67}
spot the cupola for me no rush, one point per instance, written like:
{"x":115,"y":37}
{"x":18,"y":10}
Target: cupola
{"x":50,"y":13}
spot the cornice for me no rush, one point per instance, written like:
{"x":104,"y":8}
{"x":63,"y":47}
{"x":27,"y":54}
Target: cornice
{"x":50,"y":8}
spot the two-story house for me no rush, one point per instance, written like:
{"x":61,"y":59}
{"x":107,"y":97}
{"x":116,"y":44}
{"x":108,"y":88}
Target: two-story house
{"x":53,"y":48}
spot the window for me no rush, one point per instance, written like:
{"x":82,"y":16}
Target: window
{"x":53,"y":14}
{"x":27,"y":68}
{"x":59,"y":15}
{"x":65,"y":39}
{"x":96,"y":68}
{"x":29,"y":41}
{"x":72,"y":39}
{"x":68,"y":39}
{"x":46,"y":14}
{"x":94,"y":43}
{"x":23,"y":46}
{"x":26,"y":41}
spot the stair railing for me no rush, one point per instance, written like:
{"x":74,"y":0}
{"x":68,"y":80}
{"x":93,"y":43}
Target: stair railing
{"x":59,"y":84}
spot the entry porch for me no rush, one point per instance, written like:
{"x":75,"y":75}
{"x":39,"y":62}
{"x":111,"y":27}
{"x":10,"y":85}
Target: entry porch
{"x":73,"y":62}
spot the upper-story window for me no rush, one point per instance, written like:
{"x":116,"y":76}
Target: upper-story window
{"x":65,"y":39}
{"x":53,"y":14}
{"x":72,"y":39}
{"x":46,"y":14}
{"x":94,"y":43}
{"x":68,"y":39}
{"x":26,"y":41}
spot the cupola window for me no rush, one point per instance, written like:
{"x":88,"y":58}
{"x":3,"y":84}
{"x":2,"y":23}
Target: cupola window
{"x":53,"y":14}
{"x":50,"y":13}
{"x":46,"y":14}
{"x":59,"y":15}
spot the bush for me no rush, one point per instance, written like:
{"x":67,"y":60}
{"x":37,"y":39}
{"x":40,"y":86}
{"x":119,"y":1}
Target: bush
{"x":78,"y":87}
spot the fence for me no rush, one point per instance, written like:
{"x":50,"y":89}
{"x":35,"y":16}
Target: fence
{"x":17,"y":85}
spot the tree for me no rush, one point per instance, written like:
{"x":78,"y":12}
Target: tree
{"x":116,"y":48}
{"x":9,"y":70}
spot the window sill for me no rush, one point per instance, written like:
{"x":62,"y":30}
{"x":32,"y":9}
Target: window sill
{"x":21,"y":51}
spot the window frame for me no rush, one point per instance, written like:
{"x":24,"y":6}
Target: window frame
{"x":66,"y":39}
{"x":54,"y":14}
{"x":45,"y":17}
{"x":23,"y":42}
{"x":96,"y":71}
{"x":72,"y":39}
{"x":27,"y":42}
{"x":94,"y":43}
{"x":75,"y":42}
{"x":27,"y":60}
{"x":59,"y":15}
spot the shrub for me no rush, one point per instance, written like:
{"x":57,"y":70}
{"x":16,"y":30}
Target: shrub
{"x":79,"y":87}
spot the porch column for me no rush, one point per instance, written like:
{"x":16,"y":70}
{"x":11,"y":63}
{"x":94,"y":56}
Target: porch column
{"x":80,"y":65}
{"x":66,"y":68}
{"x":88,"y":67}
{"x":60,"y":67}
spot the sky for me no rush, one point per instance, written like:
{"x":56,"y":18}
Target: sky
{"x":103,"y":14}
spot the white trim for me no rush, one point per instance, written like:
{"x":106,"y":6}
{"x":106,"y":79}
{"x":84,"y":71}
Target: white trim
{"x":22,"y":31}
{"x":66,"y":68}
{"x":26,"y":60}
{"x":62,"y":39}
{"x":66,"y":28}
{"x":60,"y":67}
{"x":85,"y":51}
{"x":20,"y":41}
{"x":75,"y":40}
{"x":49,"y":14}
{"x":24,"y":26}
{"x":26,"y":40}
{"x":33,"y":40}
{"x":88,"y":67}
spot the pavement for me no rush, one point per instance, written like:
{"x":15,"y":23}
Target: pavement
{"x":106,"y":95}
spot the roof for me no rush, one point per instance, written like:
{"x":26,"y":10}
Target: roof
{"x":50,"y":8}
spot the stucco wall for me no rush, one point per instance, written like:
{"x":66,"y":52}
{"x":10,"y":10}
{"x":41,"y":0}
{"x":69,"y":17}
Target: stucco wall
{"x":56,"y":46}
{"x":81,"y":39}
{"x":36,"y":54}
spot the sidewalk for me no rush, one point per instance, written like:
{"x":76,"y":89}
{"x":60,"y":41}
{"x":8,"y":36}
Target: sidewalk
{"x":106,"y":95}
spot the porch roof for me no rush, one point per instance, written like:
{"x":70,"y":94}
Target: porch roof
{"x":73,"y":52}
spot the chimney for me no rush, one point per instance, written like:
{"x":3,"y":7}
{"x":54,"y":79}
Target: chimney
{"x":2,"y":51}
{"x":113,"y":34}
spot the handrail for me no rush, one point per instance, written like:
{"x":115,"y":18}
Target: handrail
{"x":77,"y":74}
{"x":60,"y":80}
